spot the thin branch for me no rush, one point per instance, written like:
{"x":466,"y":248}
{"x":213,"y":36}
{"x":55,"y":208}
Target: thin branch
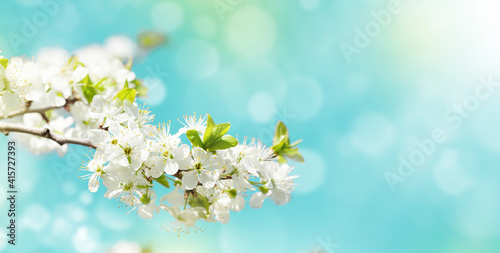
{"x":6,"y":128}
{"x":42,"y":111}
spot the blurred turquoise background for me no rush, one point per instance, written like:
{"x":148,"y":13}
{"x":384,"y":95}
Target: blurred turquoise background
{"x":254,"y":62}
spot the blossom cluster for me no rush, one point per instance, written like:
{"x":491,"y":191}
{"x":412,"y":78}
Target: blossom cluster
{"x":92,"y":95}
{"x":54,"y":89}
{"x":208,"y":178}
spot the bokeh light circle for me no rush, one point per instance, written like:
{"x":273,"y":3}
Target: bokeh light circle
{"x":3,"y":239}
{"x":86,"y":240}
{"x":205,"y":26}
{"x":269,"y":230}
{"x":478,"y":214}
{"x":86,"y":198}
{"x":451,"y":172}
{"x":111,"y":217}
{"x":166,"y":16}
{"x":261,"y":107}
{"x":157,"y":91}
{"x":251,"y":32}
{"x":309,"y":5}
{"x":312,"y":172}
{"x":35,"y":217}
{"x":372,"y":134}
{"x":304,"y":98}
{"x":197,"y":59}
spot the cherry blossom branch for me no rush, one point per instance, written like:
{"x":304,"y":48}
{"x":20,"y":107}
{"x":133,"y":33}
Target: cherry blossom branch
{"x":6,"y":128}
{"x":42,"y":111}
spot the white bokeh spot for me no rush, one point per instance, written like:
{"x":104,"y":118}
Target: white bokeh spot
{"x":251,"y":32}
{"x":36,"y":218}
{"x":372,"y":134}
{"x":315,"y":166}
{"x":304,"y":98}
{"x":205,"y":26}
{"x":451,"y":173}
{"x":309,"y":5}
{"x":261,"y":107}
{"x":166,"y":16}
{"x":269,"y":231}
{"x":197,"y":59}
{"x":86,"y":240}
{"x":157,"y":91}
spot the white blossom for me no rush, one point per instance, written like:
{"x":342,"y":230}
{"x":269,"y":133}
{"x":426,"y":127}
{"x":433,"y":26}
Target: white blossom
{"x":91,"y":95}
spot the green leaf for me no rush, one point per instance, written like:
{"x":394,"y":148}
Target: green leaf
{"x":279,"y":146}
{"x":142,"y":90}
{"x":73,"y":63}
{"x":295,"y":143}
{"x":199,"y":201}
{"x":129,"y":64}
{"x":208,"y":131}
{"x":162,"y":180}
{"x":100,"y":85}
{"x":4,"y":62}
{"x":88,"y":90}
{"x":149,"y":40}
{"x":220,"y":130}
{"x":86,"y":81}
{"x":292,"y":153}
{"x":280,"y":133}
{"x":126,"y":84}
{"x":214,"y":136}
{"x":127,"y":93}
{"x":281,"y":159}
{"x":282,"y":147}
{"x":227,"y":141}
{"x":194,"y":137}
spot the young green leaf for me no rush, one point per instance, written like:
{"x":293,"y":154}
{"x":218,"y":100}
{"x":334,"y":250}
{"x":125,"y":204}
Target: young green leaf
{"x":227,"y":141}
{"x":163,"y":181}
{"x":129,"y":64}
{"x":220,"y":130}
{"x":208,"y":131}
{"x":282,"y":147}
{"x":281,"y":159}
{"x":199,"y":201}
{"x":127,"y":93}
{"x":295,"y":143}
{"x":101,"y":84}
{"x":88,"y":90}
{"x":279,"y":146}
{"x":293,"y":153}
{"x":86,"y":81}
{"x":214,"y":134}
{"x":149,"y":40}
{"x":73,"y":63}
{"x":280,"y":133}
{"x":142,"y":90}
{"x":4,"y":62}
{"x":194,"y":137}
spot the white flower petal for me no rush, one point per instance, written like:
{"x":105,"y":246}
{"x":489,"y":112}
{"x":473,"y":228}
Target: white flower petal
{"x":171,"y":166}
{"x":190,"y":180}
{"x":257,"y":199}
{"x":208,"y":179}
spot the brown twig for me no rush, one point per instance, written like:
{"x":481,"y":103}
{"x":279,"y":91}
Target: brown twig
{"x":6,"y":128}
{"x":42,"y":111}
